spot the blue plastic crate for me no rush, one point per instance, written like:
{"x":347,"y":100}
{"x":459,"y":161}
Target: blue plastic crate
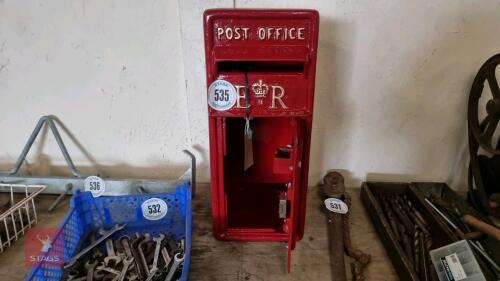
{"x":88,"y":213}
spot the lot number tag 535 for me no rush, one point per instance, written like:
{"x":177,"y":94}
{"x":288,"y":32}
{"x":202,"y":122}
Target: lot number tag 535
{"x":221,"y":95}
{"x":154,"y":209}
{"x":336,"y":205}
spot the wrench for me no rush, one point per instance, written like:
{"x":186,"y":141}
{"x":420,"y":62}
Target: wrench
{"x":133,"y":248}
{"x":121,"y":253}
{"x":112,"y":258}
{"x":73,"y":274}
{"x":126,"y":263}
{"x":166,"y":257}
{"x":116,"y":227}
{"x":90,"y":266}
{"x":132,"y":277}
{"x":125,"y":241}
{"x":147,"y":238}
{"x":109,"y":277}
{"x":152,"y":274}
{"x":99,"y":274}
{"x":102,"y":267}
{"x":178,"y":259}
{"x":157,"y":253}
{"x":95,"y":251}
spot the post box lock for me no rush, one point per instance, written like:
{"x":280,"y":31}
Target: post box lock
{"x":261,"y":67}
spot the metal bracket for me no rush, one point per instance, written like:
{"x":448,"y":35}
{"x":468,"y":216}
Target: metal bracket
{"x":50,"y":121}
{"x":114,"y":187}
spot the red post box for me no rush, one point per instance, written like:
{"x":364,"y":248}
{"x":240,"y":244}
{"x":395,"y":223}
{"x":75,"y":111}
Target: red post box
{"x":261,"y":67}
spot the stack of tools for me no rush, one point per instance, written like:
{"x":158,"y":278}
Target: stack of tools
{"x":143,"y":257}
{"x":411,"y":231}
{"x":337,"y":203}
{"x":468,"y":227}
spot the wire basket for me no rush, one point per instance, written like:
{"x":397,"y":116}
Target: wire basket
{"x":18,"y":212}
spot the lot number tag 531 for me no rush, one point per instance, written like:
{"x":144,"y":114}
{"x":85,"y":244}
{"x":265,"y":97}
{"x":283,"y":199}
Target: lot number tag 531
{"x":154,"y":209}
{"x":336,"y":205}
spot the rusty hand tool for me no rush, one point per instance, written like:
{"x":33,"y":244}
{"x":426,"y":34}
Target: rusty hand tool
{"x":73,"y":260}
{"x":416,"y":251}
{"x":424,"y":262}
{"x":333,"y":187}
{"x":403,"y":218}
{"x":142,"y":256}
{"x":390,"y":218}
{"x":406,"y":244}
{"x":137,"y":259}
{"x":361,"y":259}
{"x":90,"y":266}
{"x":486,"y":228}
{"x":178,"y":260}
{"x":494,"y":204}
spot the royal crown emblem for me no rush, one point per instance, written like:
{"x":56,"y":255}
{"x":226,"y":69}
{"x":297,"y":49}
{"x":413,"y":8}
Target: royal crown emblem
{"x":260,"y":89}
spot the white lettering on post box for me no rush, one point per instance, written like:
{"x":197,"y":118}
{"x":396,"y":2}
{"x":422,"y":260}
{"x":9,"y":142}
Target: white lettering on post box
{"x":260,"y":90}
{"x":275,"y":33}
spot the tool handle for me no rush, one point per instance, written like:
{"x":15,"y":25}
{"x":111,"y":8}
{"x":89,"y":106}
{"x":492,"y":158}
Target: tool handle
{"x":482,"y":226}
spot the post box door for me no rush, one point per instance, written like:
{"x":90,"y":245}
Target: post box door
{"x":260,"y":203}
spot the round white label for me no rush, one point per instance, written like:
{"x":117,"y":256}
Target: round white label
{"x":336,"y":205}
{"x":95,"y":185}
{"x":221,"y":95}
{"x":154,"y":209}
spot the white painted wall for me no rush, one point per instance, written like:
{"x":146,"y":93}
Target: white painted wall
{"x":128,"y":79}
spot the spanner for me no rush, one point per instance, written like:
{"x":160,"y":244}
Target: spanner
{"x":147,"y":238}
{"x":157,"y":252}
{"x":126,"y":263}
{"x":125,"y":241}
{"x":108,"y":269}
{"x":178,"y":259}
{"x":166,"y":257}
{"x":115,"y":228}
{"x":133,"y":248}
{"x":73,"y":274}
{"x":90,"y":266}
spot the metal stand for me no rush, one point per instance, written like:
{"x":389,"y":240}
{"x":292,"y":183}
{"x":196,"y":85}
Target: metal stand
{"x":114,"y":187}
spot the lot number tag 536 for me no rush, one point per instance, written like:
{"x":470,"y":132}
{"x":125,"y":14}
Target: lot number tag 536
{"x":336,"y":205}
{"x":154,"y":209}
{"x":95,"y":185}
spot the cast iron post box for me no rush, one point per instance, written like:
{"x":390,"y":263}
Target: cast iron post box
{"x":261,"y":67}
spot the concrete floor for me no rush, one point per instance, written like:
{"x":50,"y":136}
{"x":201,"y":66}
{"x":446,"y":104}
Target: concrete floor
{"x":235,"y":261}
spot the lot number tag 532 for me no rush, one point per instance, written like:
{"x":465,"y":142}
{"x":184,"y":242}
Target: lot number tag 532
{"x":154,"y":209}
{"x":336,"y":205}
